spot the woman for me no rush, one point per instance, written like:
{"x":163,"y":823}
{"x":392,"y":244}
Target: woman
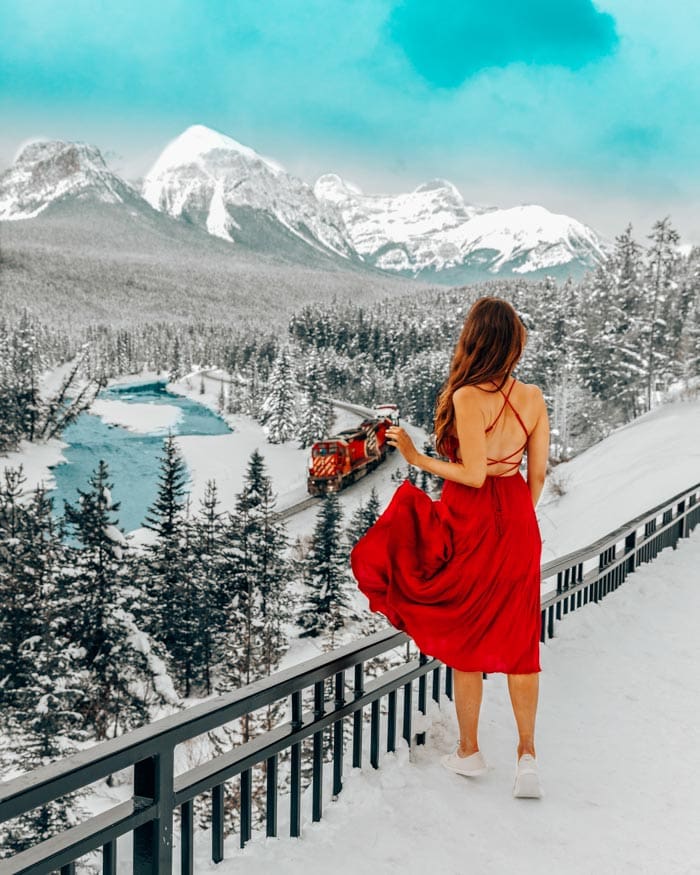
{"x":462,"y":575}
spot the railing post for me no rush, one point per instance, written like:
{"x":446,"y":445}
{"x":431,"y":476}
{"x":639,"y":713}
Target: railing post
{"x":682,"y":520}
{"x":407,"y":709}
{"x":391,"y":722}
{"x":319,"y":711}
{"x":358,"y":692}
{"x":422,"y":695}
{"x":153,"y":842}
{"x":630,"y":544}
{"x":338,"y":740}
{"x":295,"y":789}
{"x":271,"y":796}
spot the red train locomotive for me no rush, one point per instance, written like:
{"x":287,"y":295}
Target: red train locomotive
{"x":348,"y":455}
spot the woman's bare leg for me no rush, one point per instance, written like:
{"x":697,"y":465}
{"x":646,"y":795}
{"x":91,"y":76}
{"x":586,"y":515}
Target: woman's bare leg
{"x":524,"y":689}
{"x":468,"y":691}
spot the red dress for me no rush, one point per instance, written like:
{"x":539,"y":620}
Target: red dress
{"x":461,"y":575}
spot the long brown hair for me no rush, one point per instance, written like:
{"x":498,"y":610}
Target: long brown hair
{"x":489,"y":346}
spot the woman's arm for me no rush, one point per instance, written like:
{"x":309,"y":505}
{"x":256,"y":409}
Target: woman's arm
{"x":469,"y":420}
{"x":538,"y":451}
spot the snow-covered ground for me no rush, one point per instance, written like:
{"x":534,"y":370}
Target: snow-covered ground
{"x":617,"y":746}
{"x":140,"y":418}
{"x":635,"y":468}
{"x":36,"y":461}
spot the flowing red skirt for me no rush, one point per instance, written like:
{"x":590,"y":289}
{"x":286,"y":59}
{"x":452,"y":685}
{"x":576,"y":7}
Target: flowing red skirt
{"x":460,"y":575}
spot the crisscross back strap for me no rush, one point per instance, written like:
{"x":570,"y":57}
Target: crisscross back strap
{"x":508,"y":460}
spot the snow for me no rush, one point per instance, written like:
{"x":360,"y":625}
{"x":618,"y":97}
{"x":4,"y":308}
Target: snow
{"x":433,"y":227}
{"x":140,"y":418}
{"x":36,"y":459}
{"x":205,"y":172}
{"x":195,"y":142}
{"x":618,"y":759}
{"x":521,"y":229}
{"x":635,"y":468}
{"x":219,"y":221}
{"x":162,"y":681}
{"x":46,"y":170}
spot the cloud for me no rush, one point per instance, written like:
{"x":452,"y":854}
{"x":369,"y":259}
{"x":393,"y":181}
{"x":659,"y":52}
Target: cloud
{"x":449,"y":42}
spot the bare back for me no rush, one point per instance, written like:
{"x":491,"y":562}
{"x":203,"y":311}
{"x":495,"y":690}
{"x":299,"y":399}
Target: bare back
{"x":517,"y":423}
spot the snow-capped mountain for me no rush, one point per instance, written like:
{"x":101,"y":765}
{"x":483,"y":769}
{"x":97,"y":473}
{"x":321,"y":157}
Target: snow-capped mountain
{"x":48,"y":171}
{"x":225,"y":188}
{"x":213,"y":180}
{"x":433,"y":230}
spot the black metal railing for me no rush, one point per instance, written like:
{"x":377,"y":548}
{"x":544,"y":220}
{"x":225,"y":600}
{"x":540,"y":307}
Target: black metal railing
{"x":581,"y":577}
{"x":591,"y":573}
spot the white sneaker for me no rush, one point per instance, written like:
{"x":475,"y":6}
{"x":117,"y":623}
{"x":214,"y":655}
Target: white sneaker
{"x":470,"y":766}
{"x":527,"y":780}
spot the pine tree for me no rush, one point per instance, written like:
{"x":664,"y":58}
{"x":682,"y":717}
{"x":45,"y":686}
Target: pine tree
{"x":260,"y":604}
{"x":169,"y":593}
{"x":316,"y":414}
{"x":207,"y":574}
{"x":661,"y":260}
{"x":27,"y":363}
{"x":98,"y":591}
{"x":362,"y":519}
{"x":44,"y":725}
{"x":325,"y":574}
{"x":278,"y":413}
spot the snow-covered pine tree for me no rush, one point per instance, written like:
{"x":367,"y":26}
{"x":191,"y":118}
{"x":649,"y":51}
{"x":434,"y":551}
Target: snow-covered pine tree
{"x":10,"y":425}
{"x":44,"y":724}
{"x":207,"y":573}
{"x":325,"y":573}
{"x":278,"y":414}
{"x":662,"y":259}
{"x":27,"y":364}
{"x":125,"y":674}
{"x":316,"y":414}
{"x":18,"y":595}
{"x":364,"y":516}
{"x":167,"y":596}
{"x":260,"y":601}
{"x":257,"y":613}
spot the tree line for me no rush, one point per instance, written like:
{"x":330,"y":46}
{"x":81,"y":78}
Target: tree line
{"x":603,"y":349}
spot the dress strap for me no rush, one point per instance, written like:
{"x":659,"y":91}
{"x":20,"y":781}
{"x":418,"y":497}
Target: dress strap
{"x":505,"y":402}
{"x":517,"y":415}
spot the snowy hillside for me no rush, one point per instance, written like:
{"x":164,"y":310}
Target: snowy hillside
{"x":47,"y":171}
{"x":212,"y":179}
{"x":433,"y":229}
{"x":635,"y":468}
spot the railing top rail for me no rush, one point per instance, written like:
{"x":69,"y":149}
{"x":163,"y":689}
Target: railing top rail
{"x":110,"y":756}
{"x":597,"y":547}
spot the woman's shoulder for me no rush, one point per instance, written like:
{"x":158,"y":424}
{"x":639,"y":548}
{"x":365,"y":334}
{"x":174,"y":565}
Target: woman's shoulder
{"x":531,"y":389}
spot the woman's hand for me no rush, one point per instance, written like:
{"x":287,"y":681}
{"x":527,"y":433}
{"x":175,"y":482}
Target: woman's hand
{"x":399,"y":438}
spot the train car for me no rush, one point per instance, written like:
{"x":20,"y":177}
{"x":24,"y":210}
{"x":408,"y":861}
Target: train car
{"x":388,"y":411}
{"x":346,"y":456}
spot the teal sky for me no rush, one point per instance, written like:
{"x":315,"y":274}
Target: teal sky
{"x":592,"y":109}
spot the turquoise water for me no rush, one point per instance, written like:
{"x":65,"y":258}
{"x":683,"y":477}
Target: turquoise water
{"x":132,"y":458}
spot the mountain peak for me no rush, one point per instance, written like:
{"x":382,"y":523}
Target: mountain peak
{"x":334,"y":188}
{"x":199,"y":141}
{"x":48,"y":170}
{"x":437,"y":184}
